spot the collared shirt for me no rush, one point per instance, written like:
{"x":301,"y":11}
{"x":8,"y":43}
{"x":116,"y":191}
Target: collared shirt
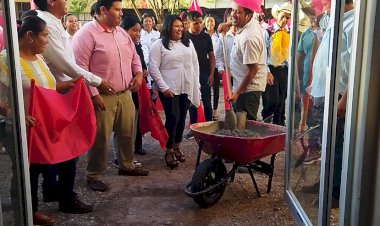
{"x":249,"y":48}
{"x":147,"y":38}
{"x":59,"y":54}
{"x":268,"y":40}
{"x":214,"y":39}
{"x":321,"y":61}
{"x":176,"y":69}
{"x":306,"y":46}
{"x":219,"y":57}
{"x":110,"y":54}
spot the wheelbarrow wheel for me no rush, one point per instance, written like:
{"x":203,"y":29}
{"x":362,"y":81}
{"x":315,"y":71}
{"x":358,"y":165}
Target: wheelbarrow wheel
{"x":209,"y":173}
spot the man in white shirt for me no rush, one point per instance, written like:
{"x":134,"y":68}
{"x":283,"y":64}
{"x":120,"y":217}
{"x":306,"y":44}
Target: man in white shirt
{"x":59,"y":54}
{"x":60,"y":59}
{"x":248,"y":59}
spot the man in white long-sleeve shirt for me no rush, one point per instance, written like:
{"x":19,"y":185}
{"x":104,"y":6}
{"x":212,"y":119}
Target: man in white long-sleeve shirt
{"x":59,"y":54}
{"x":60,"y":58}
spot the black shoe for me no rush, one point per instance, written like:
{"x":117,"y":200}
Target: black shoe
{"x":115,"y":162}
{"x":50,"y":199}
{"x":77,"y":207}
{"x":97,"y":185}
{"x":135,"y":172}
{"x":140,"y":151}
{"x":189,"y":135}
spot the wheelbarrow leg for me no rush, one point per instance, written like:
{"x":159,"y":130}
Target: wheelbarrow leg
{"x":254,"y":181}
{"x":199,"y":153}
{"x":234,"y":168}
{"x":271,"y":173}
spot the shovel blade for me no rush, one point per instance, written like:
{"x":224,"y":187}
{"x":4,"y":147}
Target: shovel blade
{"x":230,"y":121}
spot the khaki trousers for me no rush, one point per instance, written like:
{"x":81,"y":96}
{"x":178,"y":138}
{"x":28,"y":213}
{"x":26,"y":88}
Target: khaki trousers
{"x":118,"y":117}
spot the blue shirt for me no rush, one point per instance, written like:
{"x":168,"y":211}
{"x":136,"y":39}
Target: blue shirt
{"x":305,"y":46}
{"x":322,"y":58}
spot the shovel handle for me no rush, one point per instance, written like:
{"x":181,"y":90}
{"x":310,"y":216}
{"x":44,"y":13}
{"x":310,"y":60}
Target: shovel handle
{"x":226,"y":66}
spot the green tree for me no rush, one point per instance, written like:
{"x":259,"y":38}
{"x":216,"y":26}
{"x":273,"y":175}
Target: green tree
{"x":78,"y":6}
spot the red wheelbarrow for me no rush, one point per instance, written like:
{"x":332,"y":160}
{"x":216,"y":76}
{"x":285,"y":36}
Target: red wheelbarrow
{"x":210,"y":177}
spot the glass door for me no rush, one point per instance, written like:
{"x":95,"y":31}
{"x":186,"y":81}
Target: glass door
{"x":15,"y":208}
{"x":320,"y":64}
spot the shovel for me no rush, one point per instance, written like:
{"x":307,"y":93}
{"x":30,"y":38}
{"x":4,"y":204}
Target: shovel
{"x":230,"y":120}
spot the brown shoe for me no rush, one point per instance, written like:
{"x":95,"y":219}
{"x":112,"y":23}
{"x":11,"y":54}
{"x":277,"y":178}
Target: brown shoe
{"x":42,"y":219}
{"x":97,"y":185}
{"x":77,"y":207}
{"x":135,"y":172}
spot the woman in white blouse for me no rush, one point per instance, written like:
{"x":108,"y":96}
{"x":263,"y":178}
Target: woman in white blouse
{"x":148,"y":34}
{"x":174,"y":68}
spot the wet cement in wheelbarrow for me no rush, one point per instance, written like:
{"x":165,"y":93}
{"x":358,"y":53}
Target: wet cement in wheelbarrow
{"x":238,"y":133}
{"x":159,"y":198}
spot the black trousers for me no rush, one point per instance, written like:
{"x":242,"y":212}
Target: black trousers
{"x":138,"y":141}
{"x":35,"y":170}
{"x":206,"y":100}
{"x":175,"y":112}
{"x":249,"y":102}
{"x":275,"y":95}
{"x":215,"y":89}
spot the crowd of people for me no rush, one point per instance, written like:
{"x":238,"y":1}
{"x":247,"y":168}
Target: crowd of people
{"x":182,"y":66}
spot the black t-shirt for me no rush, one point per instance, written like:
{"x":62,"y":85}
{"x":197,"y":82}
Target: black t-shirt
{"x":203,"y":45}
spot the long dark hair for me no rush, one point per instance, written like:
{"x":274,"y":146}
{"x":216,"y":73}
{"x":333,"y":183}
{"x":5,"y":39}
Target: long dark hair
{"x":167,"y":28}
{"x":129,"y":22}
{"x":30,"y":22}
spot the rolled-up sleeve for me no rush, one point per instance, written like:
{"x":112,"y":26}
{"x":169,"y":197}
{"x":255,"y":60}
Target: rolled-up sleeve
{"x":154,"y":66}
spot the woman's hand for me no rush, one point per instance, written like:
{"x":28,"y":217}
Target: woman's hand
{"x":270,"y":79}
{"x":30,"y":121}
{"x":98,"y":103}
{"x":168,"y":93}
{"x":65,"y":85}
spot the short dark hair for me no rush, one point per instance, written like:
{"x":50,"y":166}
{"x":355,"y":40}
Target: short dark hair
{"x":41,"y":4}
{"x":106,"y":3}
{"x":129,"y":22}
{"x":247,"y":11}
{"x":64,"y":18}
{"x":349,"y":1}
{"x":167,"y":28}
{"x":30,"y":22}
{"x":193,"y":15}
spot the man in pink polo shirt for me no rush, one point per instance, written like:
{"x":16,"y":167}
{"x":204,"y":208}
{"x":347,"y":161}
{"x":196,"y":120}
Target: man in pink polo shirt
{"x":104,"y":48}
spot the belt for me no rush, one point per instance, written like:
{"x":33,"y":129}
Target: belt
{"x":119,"y":93}
{"x":278,"y":67}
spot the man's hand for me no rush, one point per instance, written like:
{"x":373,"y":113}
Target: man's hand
{"x":234,"y":97}
{"x":106,"y":88}
{"x":98,"y":103}
{"x":65,"y":85}
{"x":211,"y":79}
{"x":30,"y":121}
{"x":224,"y":27}
{"x":136,"y":82}
{"x":270,"y":79}
{"x":308,"y":89}
{"x":342,"y":105}
{"x":168,"y":93}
